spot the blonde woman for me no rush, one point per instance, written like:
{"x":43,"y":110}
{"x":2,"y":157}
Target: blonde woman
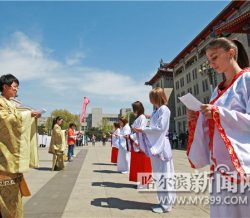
{"x":158,"y":148}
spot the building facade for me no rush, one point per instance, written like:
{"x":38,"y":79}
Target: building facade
{"x":191,"y":72}
{"x":97,"y":117}
{"x":124,"y":111}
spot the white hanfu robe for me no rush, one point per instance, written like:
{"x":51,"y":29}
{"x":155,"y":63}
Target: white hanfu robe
{"x":115,"y":138}
{"x":158,"y":148}
{"x":140,"y":122}
{"x":224,"y":141}
{"x":123,"y":159}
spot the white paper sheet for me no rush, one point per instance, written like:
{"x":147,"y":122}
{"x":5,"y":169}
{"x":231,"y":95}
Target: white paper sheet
{"x":191,"y":102}
{"x":42,"y":111}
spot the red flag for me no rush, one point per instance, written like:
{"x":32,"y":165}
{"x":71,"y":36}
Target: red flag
{"x":86,"y":101}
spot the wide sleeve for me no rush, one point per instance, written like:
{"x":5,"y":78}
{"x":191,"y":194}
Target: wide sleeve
{"x":122,"y":140}
{"x":198,"y":142}
{"x":156,"y":133}
{"x":15,"y":139}
{"x":234,"y":128}
{"x":162,"y":123}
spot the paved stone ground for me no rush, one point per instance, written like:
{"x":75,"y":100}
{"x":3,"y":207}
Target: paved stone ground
{"x":90,"y":186}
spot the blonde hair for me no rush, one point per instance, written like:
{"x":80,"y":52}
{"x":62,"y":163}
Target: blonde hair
{"x":157,"y":96}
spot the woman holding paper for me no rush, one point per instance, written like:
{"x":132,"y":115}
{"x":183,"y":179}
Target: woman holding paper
{"x":219,"y":135}
{"x":17,"y":151}
{"x":115,"y":143}
{"x":139,"y":163}
{"x":158,"y":148}
{"x":123,"y":159}
{"x":57,"y":144}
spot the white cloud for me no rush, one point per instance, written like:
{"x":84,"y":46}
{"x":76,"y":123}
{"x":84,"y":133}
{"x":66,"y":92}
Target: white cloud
{"x":75,"y":58}
{"x":28,"y":60}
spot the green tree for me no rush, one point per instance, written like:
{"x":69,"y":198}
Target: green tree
{"x":130,"y":117}
{"x":67,"y":119}
{"x":106,"y":126}
{"x":42,"y":129}
{"x":94,"y":131}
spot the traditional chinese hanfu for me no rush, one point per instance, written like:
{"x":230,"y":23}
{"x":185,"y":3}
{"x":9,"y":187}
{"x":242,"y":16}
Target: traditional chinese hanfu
{"x":115,"y":145}
{"x":18,"y":152}
{"x":158,"y":148}
{"x":123,"y":159}
{"x":223,"y":142}
{"x":57,"y":147}
{"x":139,"y":163}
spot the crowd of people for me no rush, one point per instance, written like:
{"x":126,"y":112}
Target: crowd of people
{"x":218,"y":134}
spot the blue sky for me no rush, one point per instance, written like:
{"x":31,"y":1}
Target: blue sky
{"x":62,"y":51}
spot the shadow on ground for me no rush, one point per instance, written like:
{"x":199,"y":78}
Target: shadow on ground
{"x":104,"y":164}
{"x":44,"y":168}
{"x":105,"y":171}
{"x":121,"y":204}
{"x":114,"y":185}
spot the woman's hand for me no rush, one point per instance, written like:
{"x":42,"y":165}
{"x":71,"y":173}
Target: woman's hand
{"x":35,"y":114}
{"x":137,"y":129}
{"x":191,"y":115}
{"x":206,"y":110}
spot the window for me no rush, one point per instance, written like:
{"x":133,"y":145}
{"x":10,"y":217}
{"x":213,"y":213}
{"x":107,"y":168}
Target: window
{"x":194,"y":72}
{"x":177,"y":98}
{"x":196,"y":89}
{"x":179,"y":111}
{"x":184,"y":126}
{"x":183,"y":110}
{"x":179,"y":127}
{"x":203,"y":86}
{"x":182,"y":82}
{"x":177,"y":85}
{"x":206,"y":84}
{"x":188,"y":78}
{"x":189,"y":90}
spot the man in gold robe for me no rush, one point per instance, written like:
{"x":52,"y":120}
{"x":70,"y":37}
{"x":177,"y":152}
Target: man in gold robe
{"x":18,"y":149}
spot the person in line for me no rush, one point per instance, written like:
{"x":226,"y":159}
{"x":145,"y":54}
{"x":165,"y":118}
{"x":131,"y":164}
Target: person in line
{"x":175,"y":140}
{"x":219,"y":135}
{"x":104,"y":138}
{"x":115,"y":143}
{"x":93,"y":138}
{"x":123,"y":159}
{"x":17,"y":150}
{"x":140,"y":163}
{"x":86,"y":139}
{"x":158,"y":148}
{"x":57,"y":144}
{"x":71,"y":141}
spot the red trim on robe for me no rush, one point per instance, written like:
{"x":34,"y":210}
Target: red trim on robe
{"x":220,"y":93}
{"x":216,"y":121}
{"x":211,"y":124}
{"x":231,"y":151}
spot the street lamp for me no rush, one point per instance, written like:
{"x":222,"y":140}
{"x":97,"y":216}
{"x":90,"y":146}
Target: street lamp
{"x":205,"y":69}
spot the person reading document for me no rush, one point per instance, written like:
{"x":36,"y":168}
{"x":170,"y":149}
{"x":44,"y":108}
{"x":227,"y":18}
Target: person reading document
{"x":219,"y":134}
{"x":18,"y":148}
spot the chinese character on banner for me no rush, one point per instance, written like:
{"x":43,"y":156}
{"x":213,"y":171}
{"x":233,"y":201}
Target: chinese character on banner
{"x":86,"y":101}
